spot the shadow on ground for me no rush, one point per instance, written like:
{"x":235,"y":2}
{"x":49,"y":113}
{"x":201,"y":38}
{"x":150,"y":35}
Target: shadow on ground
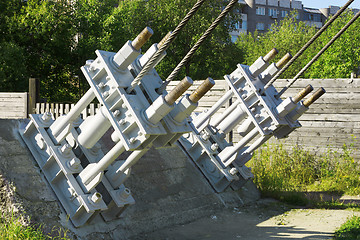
{"x":266,"y":219}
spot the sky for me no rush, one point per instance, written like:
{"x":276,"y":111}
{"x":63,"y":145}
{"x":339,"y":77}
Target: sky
{"x":326,"y":3}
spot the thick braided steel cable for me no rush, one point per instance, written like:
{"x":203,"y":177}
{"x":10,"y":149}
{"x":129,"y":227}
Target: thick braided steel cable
{"x":319,"y":53}
{"x":189,"y":55}
{"x":301,"y":51}
{"x":150,"y":64}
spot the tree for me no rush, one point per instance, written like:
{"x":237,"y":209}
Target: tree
{"x":214,"y":58}
{"x":13,"y":72}
{"x":289,"y":36}
{"x":55,"y":38}
{"x":343,"y":56}
{"x":44,"y":29}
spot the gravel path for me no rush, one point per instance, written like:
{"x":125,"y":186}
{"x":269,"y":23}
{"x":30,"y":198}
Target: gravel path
{"x":267,"y":219}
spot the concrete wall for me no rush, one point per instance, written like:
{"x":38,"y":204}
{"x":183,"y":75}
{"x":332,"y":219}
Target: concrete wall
{"x":167,"y":188}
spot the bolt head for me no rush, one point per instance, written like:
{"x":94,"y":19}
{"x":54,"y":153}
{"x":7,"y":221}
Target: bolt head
{"x":96,"y":198}
{"x":124,"y":194}
{"x":46,"y":117}
{"x":74,"y":163}
{"x":101,"y":85}
{"x":65,"y":149}
{"x":92,"y":68}
{"x":116,"y":113}
{"x":40,"y":142}
{"x":233,"y":171}
{"x":214,"y":147}
{"x":89,"y":62}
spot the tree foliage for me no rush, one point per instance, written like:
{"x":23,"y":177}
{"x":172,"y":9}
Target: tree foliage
{"x":53,"y":39}
{"x":288,"y":35}
{"x":213,"y":59}
{"x":343,"y":56}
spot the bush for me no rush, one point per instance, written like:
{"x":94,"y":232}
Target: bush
{"x":349,"y":230}
{"x":278,"y":170}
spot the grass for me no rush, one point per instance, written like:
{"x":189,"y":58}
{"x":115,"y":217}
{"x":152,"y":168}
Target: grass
{"x":12,"y":228}
{"x":277,"y":170}
{"x":291,"y":175}
{"x":349,"y":230}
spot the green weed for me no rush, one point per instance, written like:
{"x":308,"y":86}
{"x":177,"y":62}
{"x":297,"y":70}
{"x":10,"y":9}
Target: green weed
{"x":12,"y":228}
{"x":277,"y":171}
{"x":349,"y":230}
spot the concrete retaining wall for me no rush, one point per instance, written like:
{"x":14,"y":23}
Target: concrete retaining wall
{"x":167,"y":188}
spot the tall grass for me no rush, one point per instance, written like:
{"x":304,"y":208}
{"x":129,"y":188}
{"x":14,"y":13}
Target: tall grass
{"x":13,"y":228}
{"x":278,"y":170}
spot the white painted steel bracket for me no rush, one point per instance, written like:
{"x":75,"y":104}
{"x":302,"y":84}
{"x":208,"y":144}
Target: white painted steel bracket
{"x":59,"y":164}
{"x":223,"y":163}
{"x":85,"y":180}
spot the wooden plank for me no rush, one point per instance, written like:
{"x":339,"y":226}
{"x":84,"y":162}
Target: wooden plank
{"x":57,"y":114}
{"x":12,"y":95}
{"x":13,"y":105}
{"x":330,"y":117}
{"x":37,"y":108}
{"x":324,"y":124}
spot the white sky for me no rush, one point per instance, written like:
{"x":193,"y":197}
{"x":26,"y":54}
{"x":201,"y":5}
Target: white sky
{"x":326,"y":3}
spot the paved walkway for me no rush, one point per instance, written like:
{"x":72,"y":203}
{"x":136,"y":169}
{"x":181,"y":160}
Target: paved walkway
{"x":267,"y":219}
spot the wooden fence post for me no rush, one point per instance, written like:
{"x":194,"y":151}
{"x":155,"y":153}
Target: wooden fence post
{"x":34,"y":95}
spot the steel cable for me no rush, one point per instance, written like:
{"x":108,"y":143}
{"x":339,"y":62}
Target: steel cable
{"x":319,"y":54}
{"x":150,"y":64}
{"x":189,"y":55}
{"x":301,"y":51}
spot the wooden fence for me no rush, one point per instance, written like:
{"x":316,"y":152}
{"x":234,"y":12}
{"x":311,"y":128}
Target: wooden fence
{"x":333,"y":120}
{"x":13,"y":105}
{"x":58,"y":109}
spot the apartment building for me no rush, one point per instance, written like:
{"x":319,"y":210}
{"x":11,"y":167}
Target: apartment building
{"x":260,"y":14}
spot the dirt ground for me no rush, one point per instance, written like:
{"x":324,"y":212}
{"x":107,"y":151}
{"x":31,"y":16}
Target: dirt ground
{"x":265,"y":219}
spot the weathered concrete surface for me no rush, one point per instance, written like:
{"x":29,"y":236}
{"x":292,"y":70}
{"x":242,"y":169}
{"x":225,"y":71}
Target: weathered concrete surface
{"x":167,"y":188}
{"x":265,"y":219}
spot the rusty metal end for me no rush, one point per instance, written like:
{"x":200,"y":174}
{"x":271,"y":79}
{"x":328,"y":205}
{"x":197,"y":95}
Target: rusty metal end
{"x":172,"y":96}
{"x":271,"y":55}
{"x":314,"y":97}
{"x":164,"y":39}
{"x":303,"y":93}
{"x":142,"y":38}
{"x":202,"y":90}
{"x":284,"y":60}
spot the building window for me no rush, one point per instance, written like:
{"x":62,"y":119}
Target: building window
{"x":272,"y":12}
{"x":241,"y":25}
{"x":284,"y":13}
{"x":244,"y":25}
{"x":260,"y":11}
{"x":260,"y":26}
{"x":317,"y":18}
